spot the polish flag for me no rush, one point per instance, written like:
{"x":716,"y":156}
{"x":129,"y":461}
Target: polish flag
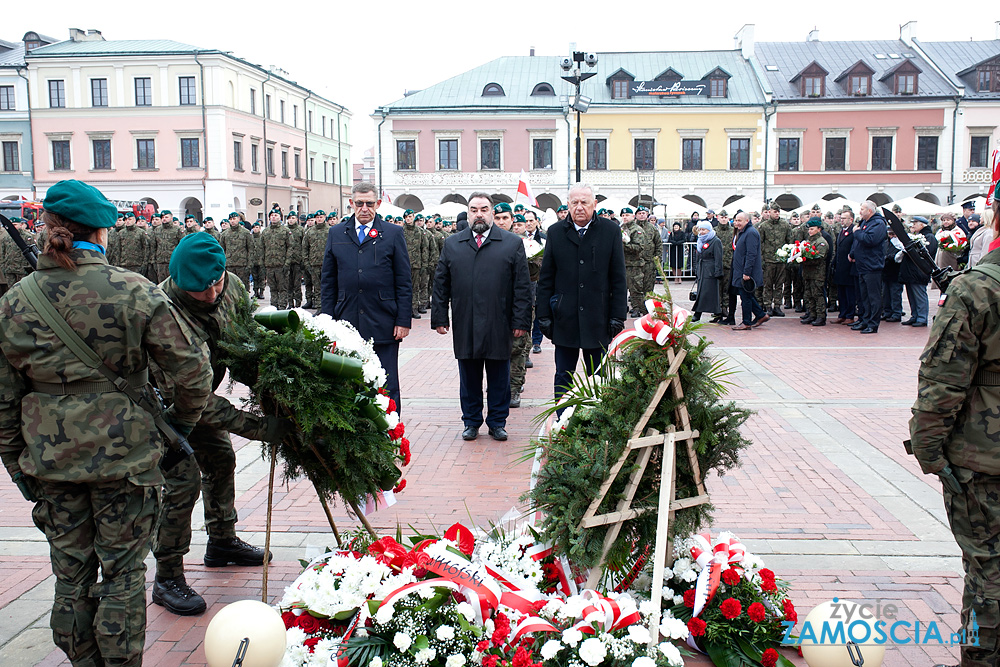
{"x":524,"y":189}
{"x":386,"y":197}
{"x":372,"y":503}
{"x":993,"y":180}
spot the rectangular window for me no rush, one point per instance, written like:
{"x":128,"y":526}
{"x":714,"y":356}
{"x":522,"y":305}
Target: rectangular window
{"x":281,"y":110}
{"x":739,"y":154}
{"x":284,"y":164}
{"x":984,"y":80}
{"x":881,"y":153}
{"x":836,"y":154}
{"x":717,"y":87}
{"x":859,"y":85}
{"x":296,"y":160}
{"x":6,"y":98}
{"x":489,"y":154}
{"x":312,"y":168}
{"x":189,"y":153}
{"x":619,"y":89}
{"x":406,"y":155}
{"x":98,"y":92}
{"x":11,"y":158}
{"x":644,"y":159}
{"x":60,"y":156}
{"x":102,"y":153}
{"x":813,"y":86}
{"x":269,"y":160}
{"x":691,"y":154}
{"x":323,"y":130}
{"x":238,"y":155}
{"x":253,"y":101}
{"x":188,"y":94}
{"x":788,"y":154}
{"x":267,"y":107}
{"x":325,"y":176}
{"x":295,"y":115}
{"x":927,"y":150}
{"x":906,"y":84}
{"x":597,"y":153}
{"x":310,"y":122}
{"x":143,"y":91}
{"x":541,"y":154}
{"x":145,"y":150}
{"x":57,"y":94}
{"x":255,"y":158}
{"x":980,"y":152}
{"x":448,"y":154}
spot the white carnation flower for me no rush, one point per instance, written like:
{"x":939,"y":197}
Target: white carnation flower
{"x":646,"y":607}
{"x":668,"y":593}
{"x":690,"y":576}
{"x":424,"y":656}
{"x":445,"y":632}
{"x":593,"y":651}
{"x":456,"y":660}
{"x":672,"y":654}
{"x":643,"y":661}
{"x":384,"y":614}
{"x":674,"y":628}
{"x":639,"y":634}
{"x":550,"y":649}
{"x":402,"y":641}
{"x":678,"y":599}
{"x":571,"y":637}
{"x":375,"y":662}
{"x":466,"y":610}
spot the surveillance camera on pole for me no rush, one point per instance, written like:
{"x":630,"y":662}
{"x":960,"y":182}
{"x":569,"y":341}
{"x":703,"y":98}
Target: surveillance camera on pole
{"x":566,"y":64}
{"x":591,"y":60}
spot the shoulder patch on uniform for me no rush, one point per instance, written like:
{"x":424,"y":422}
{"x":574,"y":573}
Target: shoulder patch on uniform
{"x":944,"y":296}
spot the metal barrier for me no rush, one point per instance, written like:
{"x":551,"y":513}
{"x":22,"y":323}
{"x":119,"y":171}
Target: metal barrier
{"x":689,"y":259}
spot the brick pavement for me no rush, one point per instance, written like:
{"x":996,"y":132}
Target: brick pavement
{"x":825,"y":493}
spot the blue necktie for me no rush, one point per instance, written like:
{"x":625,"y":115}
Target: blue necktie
{"x":361,"y":233}
{"x":583,"y":231}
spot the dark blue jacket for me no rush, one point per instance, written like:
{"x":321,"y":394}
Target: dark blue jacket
{"x":844,"y":270}
{"x":869,"y":245}
{"x":746,"y":256}
{"x":368,"y":284}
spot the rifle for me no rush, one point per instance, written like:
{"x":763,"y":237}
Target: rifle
{"x":146,"y":397}
{"x":917,"y":252}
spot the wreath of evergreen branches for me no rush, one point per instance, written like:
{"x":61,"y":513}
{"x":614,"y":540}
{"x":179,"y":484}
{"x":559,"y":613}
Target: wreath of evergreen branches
{"x":282,"y":372}
{"x":579,"y":459}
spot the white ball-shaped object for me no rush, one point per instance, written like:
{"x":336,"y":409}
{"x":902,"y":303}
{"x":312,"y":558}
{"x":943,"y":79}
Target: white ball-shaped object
{"x":839,"y":617}
{"x":252,"y":620}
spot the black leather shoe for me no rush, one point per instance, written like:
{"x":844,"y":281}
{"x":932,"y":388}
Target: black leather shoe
{"x":528,"y":363}
{"x":788,"y":305}
{"x":869,"y":330}
{"x":918,"y":324}
{"x":910,"y":322}
{"x":819,"y":323}
{"x":470,"y":433}
{"x":858,"y":326}
{"x":177,"y":597}
{"x":233,"y":551}
{"x":833,"y":308}
{"x":893,"y":319}
{"x":537,"y":349}
{"x":717,"y":319}
{"x":498,"y":433}
{"x":308,"y":305}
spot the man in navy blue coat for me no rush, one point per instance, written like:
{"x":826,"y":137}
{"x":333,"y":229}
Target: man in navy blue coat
{"x":868,"y":253}
{"x":366,"y":280}
{"x":746,"y":267}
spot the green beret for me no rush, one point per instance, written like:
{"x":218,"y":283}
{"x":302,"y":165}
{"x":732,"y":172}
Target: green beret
{"x":408,"y":211}
{"x":628,"y":210}
{"x":197,"y":263}
{"x":209,"y":219}
{"x":17,"y":219}
{"x":502,"y":207}
{"x":121,"y":215}
{"x":81,"y":203}
{"x":320,"y":212}
{"x":562,"y":208}
{"x":447,"y":223}
{"x":641,"y":208}
{"x":519,"y":207}
{"x":189,"y":217}
{"x":518,"y":217}
{"x":234,"y":214}
{"x":418,"y":217}
{"x":128,"y":214}
{"x":165,"y":212}
{"x":815,"y":222}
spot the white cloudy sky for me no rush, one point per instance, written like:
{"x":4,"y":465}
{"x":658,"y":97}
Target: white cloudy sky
{"x":363,"y":54}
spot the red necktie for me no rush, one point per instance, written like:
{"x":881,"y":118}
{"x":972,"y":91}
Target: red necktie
{"x":479,"y":240}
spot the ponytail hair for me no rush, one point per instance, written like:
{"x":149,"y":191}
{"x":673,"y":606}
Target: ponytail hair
{"x":61,"y":235}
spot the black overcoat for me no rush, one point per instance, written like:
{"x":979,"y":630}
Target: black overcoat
{"x":488,"y":290}
{"x":581,"y":286}
{"x":709,"y":274}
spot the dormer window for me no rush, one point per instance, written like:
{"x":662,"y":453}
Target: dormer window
{"x":984,"y":80}
{"x":717,"y":87}
{"x":857,"y":79}
{"x":543,"y":89}
{"x":619,"y":89}
{"x":812,"y":86}
{"x":493,"y":90}
{"x":905,"y":77}
{"x":860,"y":85}
{"x":906,"y":84}
{"x":811,"y":80}
{"x":669,"y":75}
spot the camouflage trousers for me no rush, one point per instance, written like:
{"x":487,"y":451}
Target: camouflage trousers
{"x":211,"y":474}
{"x":429,"y":286}
{"x":277,"y":280}
{"x":815,"y":301}
{"x":102,"y":527}
{"x":519,"y":352}
{"x":242,"y":272}
{"x":314,"y":288}
{"x":415,"y":273}
{"x":635,"y":277}
{"x":774,"y":279}
{"x":794,"y":289}
{"x":258,"y":280}
{"x":294,"y":285}
{"x":649,"y":276}
{"x":974,"y":516}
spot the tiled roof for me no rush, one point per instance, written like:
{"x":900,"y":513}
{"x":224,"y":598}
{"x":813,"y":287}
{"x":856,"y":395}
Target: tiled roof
{"x":518,"y":76}
{"x":782,"y":61}
{"x":113,"y":47}
{"x":955,"y":57}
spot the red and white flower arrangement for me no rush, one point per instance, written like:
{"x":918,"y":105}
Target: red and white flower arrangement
{"x":952,"y":240}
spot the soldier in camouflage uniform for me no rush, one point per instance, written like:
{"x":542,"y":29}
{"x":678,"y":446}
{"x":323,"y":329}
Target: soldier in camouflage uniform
{"x":415,"y":248}
{"x":275,"y":242}
{"x":727,"y":298}
{"x":814,"y":276}
{"x":521,"y":350}
{"x":170,"y":235}
{"x":955,"y":433}
{"x":636,"y":247}
{"x":774,"y":233}
{"x":295,"y":234}
{"x":794,"y":288}
{"x":87,"y":456}
{"x":428,"y":264}
{"x":209,"y":227}
{"x":654,"y":248}
{"x":12,"y":262}
{"x":237,"y":243}
{"x":313,"y":248}
{"x":257,"y":260}
{"x":206,"y":294}
{"x":131,"y":247}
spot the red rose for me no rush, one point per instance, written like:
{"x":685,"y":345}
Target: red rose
{"x":308,"y":623}
{"x":696,"y":627}
{"x":689,"y":598}
{"x":731,"y":577}
{"x":392,"y":406}
{"x":766,"y":574}
{"x":770,"y":658}
{"x":731,"y":608}
{"x":399,"y":487}
{"x":768,"y":586}
{"x":756,"y":612}
{"x":311,"y":643}
{"x":290,"y":619}
{"x":790,"y":613}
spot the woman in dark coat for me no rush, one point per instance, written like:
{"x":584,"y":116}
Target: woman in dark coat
{"x":709,"y":258}
{"x":678,"y":237}
{"x":844,"y":274}
{"x":913,"y":279}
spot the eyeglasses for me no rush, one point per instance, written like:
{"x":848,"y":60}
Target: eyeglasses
{"x":368,"y":204}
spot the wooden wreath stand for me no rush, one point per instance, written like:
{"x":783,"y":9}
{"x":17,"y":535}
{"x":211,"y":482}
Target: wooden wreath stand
{"x":668,"y":504}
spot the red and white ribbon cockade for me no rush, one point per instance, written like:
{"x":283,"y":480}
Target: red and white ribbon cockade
{"x":651,"y":326}
{"x":711,"y":555}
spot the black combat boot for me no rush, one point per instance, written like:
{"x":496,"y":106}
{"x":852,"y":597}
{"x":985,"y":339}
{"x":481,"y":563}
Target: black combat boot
{"x":515,"y":399}
{"x":808,"y":320}
{"x":777,"y":312}
{"x":233,"y":551}
{"x":177,"y":597}
{"x":819,"y":322}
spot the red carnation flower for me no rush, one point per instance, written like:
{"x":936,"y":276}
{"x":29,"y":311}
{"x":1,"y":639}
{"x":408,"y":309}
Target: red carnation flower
{"x":308,"y":623}
{"x":790,"y":613}
{"x":399,"y":487}
{"x":689,"y":598}
{"x":766,"y":574}
{"x":521,"y":658}
{"x":731,"y":608}
{"x":404,"y":451}
{"x":768,"y":586}
{"x":696,"y":627}
{"x":392,"y":406}
{"x":770,"y":658}
{"x":756,"y":612}
{"x":311,"y":643}
{"x":501,"y":629}
{"x":491,"y":661}
{"x":731,"y":577}
{"x":483,"y":646}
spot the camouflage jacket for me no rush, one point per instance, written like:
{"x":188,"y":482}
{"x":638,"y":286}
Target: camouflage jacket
{"x":773,"y":235}
{"x":725,"y":234}
{"x":799,"y":232}
{"x":314,"y":244}
{"x":414,"y":245}
{"x":635,"y":248}
{"x":958,"y":387}
{"x":427,"y":246}
{"x":214,"y":231}
{"x":91,"y":437}
{"x":236,"y":242}
{"x":256,"y":249}
{"x":129,"y":248}
{"x":274,"y":243}
{"x":816,"y":267}
{"x":166,"y":240}
{"x":295,"y":233}
{"x":654,"y":249}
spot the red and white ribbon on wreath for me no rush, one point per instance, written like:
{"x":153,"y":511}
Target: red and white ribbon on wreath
{"x":651,"y":327}
{"x":567,"y":583}
{"x":995,"y":177}
{"x":711,"y":555}
{"x":606,"y":613}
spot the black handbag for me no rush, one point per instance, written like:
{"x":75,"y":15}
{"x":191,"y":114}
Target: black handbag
{"x":693,"y":296}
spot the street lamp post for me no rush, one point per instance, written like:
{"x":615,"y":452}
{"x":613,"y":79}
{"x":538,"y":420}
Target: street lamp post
{"x":580,"y":104}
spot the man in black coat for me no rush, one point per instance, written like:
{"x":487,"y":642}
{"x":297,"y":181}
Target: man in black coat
{"x":844,"y":271}
{"x":581,"y":295}
{"x":868,"y":253}
{"x":747,"y":267}
{"x":366,"y":280}
{"x":483,"y":275}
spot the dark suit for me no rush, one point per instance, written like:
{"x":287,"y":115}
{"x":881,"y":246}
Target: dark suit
{"x":868,"y":252}
{"x":581,"y":288}
{"x":490,"y":295}
{"x":368,"y":284}
{"x":747,"y":262}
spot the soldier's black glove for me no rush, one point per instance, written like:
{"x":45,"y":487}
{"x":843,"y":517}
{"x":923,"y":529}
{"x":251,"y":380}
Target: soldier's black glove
{"x":277,"y":429}
{"x":949,"y":480}
{"x":615,"y":327}
{"x":22,"y":485}
{"x":545,"y":326}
